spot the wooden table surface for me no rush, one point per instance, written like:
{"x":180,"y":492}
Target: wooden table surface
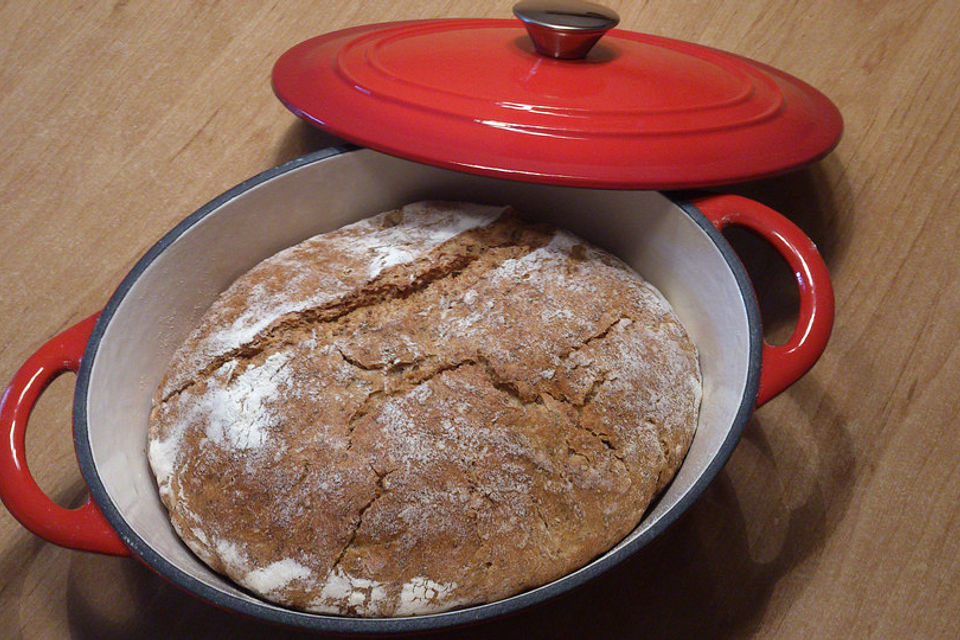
{"x":838,"y":514}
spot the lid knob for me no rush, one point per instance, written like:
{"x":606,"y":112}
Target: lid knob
{"x":565,"y":29}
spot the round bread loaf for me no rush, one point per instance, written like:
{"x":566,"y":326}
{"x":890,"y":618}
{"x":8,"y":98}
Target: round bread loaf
{"x":431,"y":408}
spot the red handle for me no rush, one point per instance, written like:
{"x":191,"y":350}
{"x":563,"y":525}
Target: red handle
{"x":783,"y":364}
{"x":82,"y":528}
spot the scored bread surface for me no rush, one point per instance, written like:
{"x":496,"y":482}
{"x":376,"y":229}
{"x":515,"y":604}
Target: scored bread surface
{"x":434,"y":407}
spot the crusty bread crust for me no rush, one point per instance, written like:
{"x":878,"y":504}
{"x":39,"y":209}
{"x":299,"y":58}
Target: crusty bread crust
{"x":435,"y":407}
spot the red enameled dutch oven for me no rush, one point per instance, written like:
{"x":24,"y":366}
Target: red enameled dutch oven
{"x":465,"y":110}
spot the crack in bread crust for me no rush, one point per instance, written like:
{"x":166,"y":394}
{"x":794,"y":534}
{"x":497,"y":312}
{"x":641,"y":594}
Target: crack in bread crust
{"x":359,"y":519}
{"x":373,"y":294}
{"x":298,"y":320}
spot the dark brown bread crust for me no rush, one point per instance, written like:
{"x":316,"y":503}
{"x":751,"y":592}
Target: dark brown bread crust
{"x":464,"y":409}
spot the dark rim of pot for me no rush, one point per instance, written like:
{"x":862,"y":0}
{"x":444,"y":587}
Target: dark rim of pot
{"x":319,"y":622}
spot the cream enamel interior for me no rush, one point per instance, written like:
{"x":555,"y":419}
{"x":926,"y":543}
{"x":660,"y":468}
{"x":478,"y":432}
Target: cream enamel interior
{"x":643,"y":228}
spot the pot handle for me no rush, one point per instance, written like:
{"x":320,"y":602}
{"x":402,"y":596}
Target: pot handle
{"x":783,"y":364}
{"x":84,"y":527}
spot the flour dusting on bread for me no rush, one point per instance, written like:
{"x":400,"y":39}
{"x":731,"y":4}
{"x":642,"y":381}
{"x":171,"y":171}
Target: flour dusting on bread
{"x":438,"y":406}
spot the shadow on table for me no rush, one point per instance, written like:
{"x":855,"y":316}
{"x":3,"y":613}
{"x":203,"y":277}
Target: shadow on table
{"x":14,"y":570}
{"x":23,"y":572}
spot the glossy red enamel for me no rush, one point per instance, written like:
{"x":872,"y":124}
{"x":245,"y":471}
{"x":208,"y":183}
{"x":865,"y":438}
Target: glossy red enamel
{"x":783,"y":364}
{"x":639,"y":111}
{"x":81,"y":528}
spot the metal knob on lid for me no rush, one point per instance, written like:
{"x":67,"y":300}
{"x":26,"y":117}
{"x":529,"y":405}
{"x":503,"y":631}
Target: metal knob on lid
{"x":565,"y":29}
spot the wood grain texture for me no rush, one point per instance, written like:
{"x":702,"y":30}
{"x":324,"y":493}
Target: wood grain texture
{"x":837,"y":515}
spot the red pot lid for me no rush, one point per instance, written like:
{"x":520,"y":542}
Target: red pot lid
{"x":639,"y":111}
